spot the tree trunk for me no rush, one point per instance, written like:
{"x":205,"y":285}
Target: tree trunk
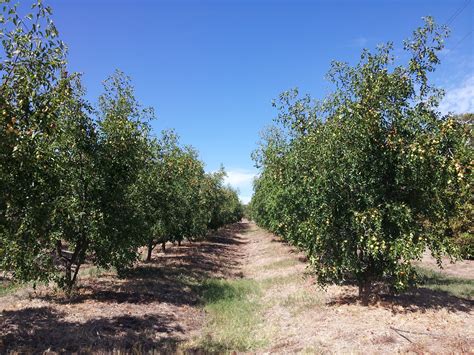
{"x":163,"y":247}
{"x":76,"y":272}
{"x":77,"y":259}
{"x":68,"y":279}
{"x":179,"y":242}
{"x":150,"y":249}
{"x":365,"y":291}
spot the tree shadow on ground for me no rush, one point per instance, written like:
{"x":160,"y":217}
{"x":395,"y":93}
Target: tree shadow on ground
{"x":419,"y":299}
{"x":37,"y":330}
{"x":435,"y":291}
{"x":172,"y":278}
{"x":423,"y":299}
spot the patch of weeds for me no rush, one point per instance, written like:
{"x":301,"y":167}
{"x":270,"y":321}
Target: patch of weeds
{"x":93,"y":272}
{"x":234,"y":313}
{"x":455,"y":286}
{"x":187,"y":279}
{"x":281,"y":264}
{"x":9,"y":287}
{"x":302,"y":300}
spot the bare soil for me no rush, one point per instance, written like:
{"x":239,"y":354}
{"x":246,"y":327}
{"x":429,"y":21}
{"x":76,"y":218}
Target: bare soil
{"x":157,"y":307}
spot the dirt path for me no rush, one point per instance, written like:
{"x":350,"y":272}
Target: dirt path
{"x":302,"y":318}
{"x":155,"y":307}
{"x":158,"y":307}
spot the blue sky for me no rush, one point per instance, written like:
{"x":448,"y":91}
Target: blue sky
{"x":211,"y":68}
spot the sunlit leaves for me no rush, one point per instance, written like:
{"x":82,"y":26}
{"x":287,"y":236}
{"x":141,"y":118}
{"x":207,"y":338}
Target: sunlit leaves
{"x":31,"y":93}
{"x":369,"y":178}
{"x":80,"y":184}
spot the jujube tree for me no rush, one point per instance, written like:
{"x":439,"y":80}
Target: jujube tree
{"x":369,"y":178}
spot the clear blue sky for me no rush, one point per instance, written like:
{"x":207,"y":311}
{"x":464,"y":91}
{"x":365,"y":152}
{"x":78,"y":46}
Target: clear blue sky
{"x":211,"y":68}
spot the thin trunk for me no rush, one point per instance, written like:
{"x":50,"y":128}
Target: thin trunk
{"x":77,"y":258}
{"x":364,"y":279}
{"x":68,"y":278}
{"x":365,"y":291}
{"x":179,"y":242}
{"x":151,"y":246}
{"x":73,"y":281}
{"x":163,"y":247}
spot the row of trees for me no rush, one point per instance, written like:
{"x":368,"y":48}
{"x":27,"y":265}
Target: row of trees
{"x":368,"y":179}
{"x":80,"y":183}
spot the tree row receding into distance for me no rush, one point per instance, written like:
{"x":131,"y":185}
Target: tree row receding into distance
{"x":81,"y":183}
{"x":372,"y":176}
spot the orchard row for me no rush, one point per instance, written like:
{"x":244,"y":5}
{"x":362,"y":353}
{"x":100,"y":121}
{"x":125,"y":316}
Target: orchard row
{"x":88,"y":184}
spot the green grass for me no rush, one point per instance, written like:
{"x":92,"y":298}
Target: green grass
{"x":455,"y":286}
{"x":234,"y":313}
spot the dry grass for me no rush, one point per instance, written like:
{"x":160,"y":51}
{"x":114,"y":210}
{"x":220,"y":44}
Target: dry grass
{"x":156,"y":307}
{"x":308,"y":320}
{"x":242,"y":290}
{"x":298,"y":302}
{"x":8,"y":287}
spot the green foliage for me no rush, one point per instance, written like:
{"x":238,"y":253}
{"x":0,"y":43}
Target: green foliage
{"x":177,"y":199}
{"x":79,"y":184}
{"x":31,"y":95}
{"x":368,"y":179}
{"x":123,"y":151}
{"x":463,"y":224}
{"x":78,"y":217}
{"x":221,"y":200}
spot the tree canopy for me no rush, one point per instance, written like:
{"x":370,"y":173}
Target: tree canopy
{"x":373,"y":175}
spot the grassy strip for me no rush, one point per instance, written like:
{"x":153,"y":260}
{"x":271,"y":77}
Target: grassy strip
{"x":234,"y":313}
{"x":455,"y":286}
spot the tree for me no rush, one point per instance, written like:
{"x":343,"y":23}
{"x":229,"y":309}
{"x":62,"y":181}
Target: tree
{"x":222,"y":201}
{"x":172,"y":193}
{"x":31,"y":94}
{"x":179,"y":200}
{"x":463,"y":224}
{"x":78,"y":218}
{"x":368,"y":179}
{"x":123,"y":154}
